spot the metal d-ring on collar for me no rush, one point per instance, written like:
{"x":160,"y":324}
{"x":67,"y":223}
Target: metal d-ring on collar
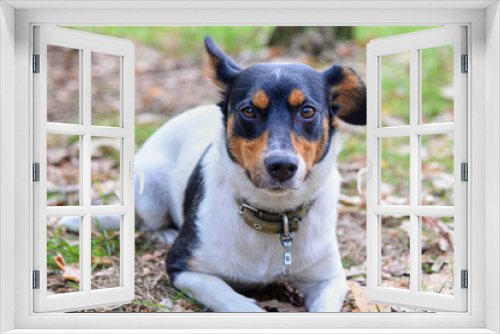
{"x":286,"y":238}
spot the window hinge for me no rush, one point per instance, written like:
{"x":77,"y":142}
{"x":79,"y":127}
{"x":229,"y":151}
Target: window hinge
{"x":36,"y":279}
{"x":36,"y":172}
{"x":465,"y":279}
{"x":465,"y":64}
{"x":36,"y":63}
{"x":464,"y":168}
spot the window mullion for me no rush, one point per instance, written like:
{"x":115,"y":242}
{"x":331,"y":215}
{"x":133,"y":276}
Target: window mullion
{"x":414,"y":169}
{"x":85,"y":244}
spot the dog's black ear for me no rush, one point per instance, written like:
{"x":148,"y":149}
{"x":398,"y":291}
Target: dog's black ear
{"x":347,"y":94}
{"x":221,"y":68}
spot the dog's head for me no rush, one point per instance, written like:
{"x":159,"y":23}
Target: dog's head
{"x":280,"y":118}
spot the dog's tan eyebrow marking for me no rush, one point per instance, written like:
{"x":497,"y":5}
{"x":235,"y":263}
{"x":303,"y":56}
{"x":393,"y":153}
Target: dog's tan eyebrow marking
{"x":296,"y":97}
{"x":260,"y":99}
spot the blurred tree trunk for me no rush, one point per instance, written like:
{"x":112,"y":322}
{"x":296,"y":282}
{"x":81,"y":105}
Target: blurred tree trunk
{"x":310,"y":39}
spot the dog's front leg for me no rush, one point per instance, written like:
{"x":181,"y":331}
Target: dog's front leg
{"x":325,"y":296}
{"x":214,"y":293}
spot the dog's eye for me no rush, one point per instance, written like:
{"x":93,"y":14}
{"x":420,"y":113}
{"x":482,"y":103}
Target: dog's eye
{"x":308,"y":112}
{"x":248,"y":112}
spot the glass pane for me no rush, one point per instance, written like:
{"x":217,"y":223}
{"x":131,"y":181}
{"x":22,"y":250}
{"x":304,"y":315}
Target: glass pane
{"x":437,"y":254}
{"x":395,"y":94}
{"x":63,"y":84}
{"x":437,"y":169}
{"x":63,"y":166}
{"x":105,"y":169}
{"x":395,"y":171}
{"x":395,"y":252}
{"x":437,"y":84}
{"x":63,"y":255}
{"x":105,"y":252}
{"x":105,"y":90}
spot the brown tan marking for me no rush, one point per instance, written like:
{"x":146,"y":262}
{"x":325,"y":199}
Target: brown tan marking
{"x":260,"y":99}
{"x":210,"y":70}
{"x":311,"y":152}
{"x":248,"y":153}
{"x":350,"y":93}
{"x":194,"y":264}
{"x":296,"y":97}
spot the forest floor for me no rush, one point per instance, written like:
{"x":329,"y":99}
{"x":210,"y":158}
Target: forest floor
{"x":168,"y":86}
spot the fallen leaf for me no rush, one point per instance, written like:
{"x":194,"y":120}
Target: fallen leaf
{"x":361,"y":300}
{"x":148,"y":257}
{"x":69,"y":273}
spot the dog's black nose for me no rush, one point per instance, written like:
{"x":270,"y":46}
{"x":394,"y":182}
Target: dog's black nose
{"x":282,"y":168}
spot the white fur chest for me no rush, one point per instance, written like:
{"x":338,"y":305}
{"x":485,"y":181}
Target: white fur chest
{"x":230,"y":249}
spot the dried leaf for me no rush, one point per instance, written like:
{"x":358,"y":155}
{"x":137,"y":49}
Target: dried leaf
{"x":69,"y":273}
{"x":149,"y":257}
{"x":361,"y":300}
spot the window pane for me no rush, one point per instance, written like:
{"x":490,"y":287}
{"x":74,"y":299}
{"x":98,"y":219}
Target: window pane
{"x":395,"y":89}
{"x":63,"y":255}
{"x":395,"y":170}
{"x":395,"y":251}
{"x":63,"y":84}
{"x":437,"y":169}
{"x":63,"y":166}
{"x":437,"y":254}
{"x":437,"y":84}
{"x":105,"y":252}
{"x":105,"y":169}
{"x":105,"y":90}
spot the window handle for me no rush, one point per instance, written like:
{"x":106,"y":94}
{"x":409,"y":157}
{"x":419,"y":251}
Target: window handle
{"x":364,"y":170}
{"x":133,"y":170}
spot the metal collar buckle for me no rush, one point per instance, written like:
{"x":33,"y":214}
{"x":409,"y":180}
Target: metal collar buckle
{"x":244,"y":205}
{"x":286,"y":238}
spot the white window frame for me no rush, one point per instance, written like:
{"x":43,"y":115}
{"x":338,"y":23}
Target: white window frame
{"x":17,"y":19}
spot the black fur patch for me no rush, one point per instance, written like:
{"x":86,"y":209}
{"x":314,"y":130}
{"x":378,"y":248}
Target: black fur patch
{"x":187,"y":240}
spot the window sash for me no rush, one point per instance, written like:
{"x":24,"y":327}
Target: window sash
{"x":414,"y":42}
{"x":86,"y":43}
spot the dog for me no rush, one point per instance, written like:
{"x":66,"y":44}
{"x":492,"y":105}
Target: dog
{"x":252,"y":183}
{"x":228,"y":176}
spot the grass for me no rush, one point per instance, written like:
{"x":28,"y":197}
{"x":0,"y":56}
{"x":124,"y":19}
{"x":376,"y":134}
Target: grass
{"x":184,"y":296}
{"x":143,"y":132}
{"x":347,"y":263}
{"x":103,"y":244}
{"x":66,"y":245}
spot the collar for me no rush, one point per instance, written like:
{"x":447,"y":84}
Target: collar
{"x":269,"y":222}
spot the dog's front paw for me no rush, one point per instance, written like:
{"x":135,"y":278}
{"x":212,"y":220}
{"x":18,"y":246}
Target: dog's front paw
{"x":242,"y":304}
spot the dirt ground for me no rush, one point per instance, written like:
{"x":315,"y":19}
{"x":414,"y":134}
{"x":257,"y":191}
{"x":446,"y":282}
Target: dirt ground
{"x":164,"y":88}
